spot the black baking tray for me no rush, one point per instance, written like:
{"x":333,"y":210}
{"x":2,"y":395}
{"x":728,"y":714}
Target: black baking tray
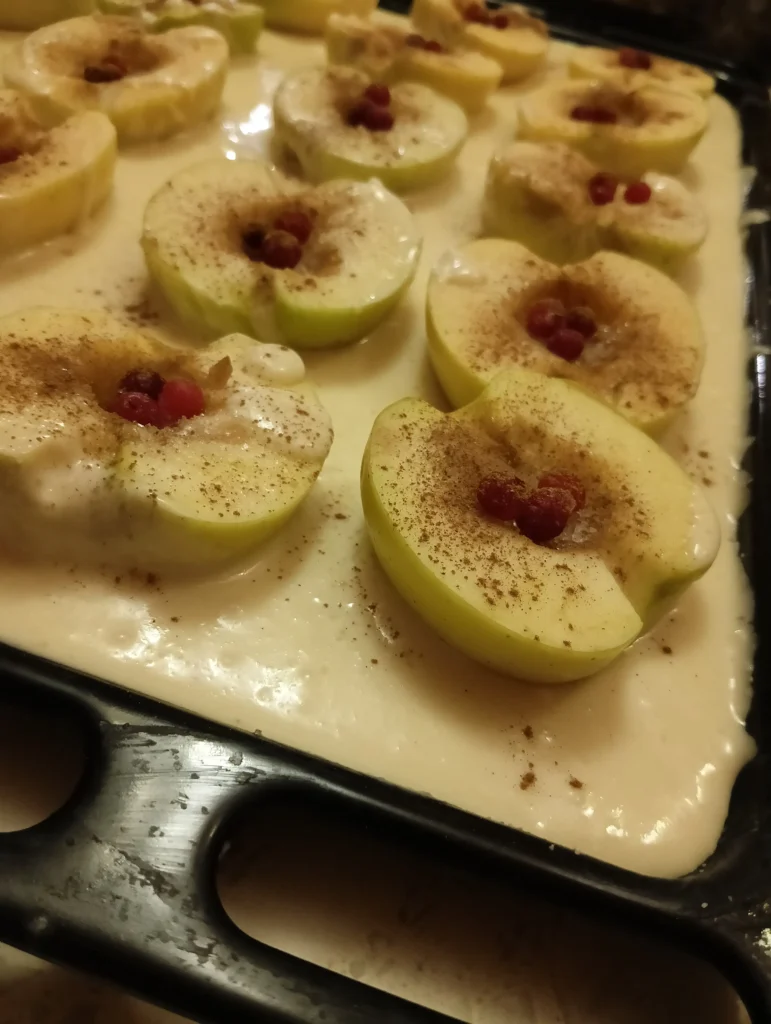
{"x":121,"y":881}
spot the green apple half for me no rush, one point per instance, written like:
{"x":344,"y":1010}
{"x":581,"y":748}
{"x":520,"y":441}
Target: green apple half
{"x":542,"y":613}
{"x":656,"y":128}
{"x":240,"y":23}
{"x":519,"y":50}
{"x":173,"y":81}
{"x":310,"y":110}
{"x":538,"y":194}
{"x":60,"y":177}
{"x":381,"y":50}
{"x":357,"y":264}
{"x":604,"y":64}
{"x":25,"y":15}
{"x":310,"y":16}
{"x":645,"y":359}
{"x":78,"y":480}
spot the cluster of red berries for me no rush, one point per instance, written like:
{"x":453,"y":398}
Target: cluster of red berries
{"x":9,"y":154}
{"x":541,"y":514}
{"x":563,"y":331}
{"x":372,"y":109}
{"x":109,"y":70}
{"x":144,"y":397}
{"x":482,"y":15}
{"x":602,"y":189}
{"x":594,"y":114}
{"x":281,"y":245}
{"x":638,"y":59}
{"x":421,"y":43}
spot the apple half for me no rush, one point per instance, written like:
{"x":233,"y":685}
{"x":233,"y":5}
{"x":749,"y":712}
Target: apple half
{"x":357,"y":263}
{"x":239,"y":22}
{"x":310,"y":16}
{"x":52,"y":179}
{"x":81,"y":482}
{"x":519,"y":46}
{"x":634,"y":69}
{"x":540,"y":194}
{"x":312,"y":111}
{"x":150,"y":86}
{"x":389,"y":52}
{"x":644,"y":359}
{"x":544,"y":613}
{"x":634,"y":130}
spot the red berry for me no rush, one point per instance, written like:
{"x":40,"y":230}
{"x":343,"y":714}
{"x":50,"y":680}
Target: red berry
{"x":9,"y":154}
{"x":378,"y":119}
{"x":180,"y":399}
{"x":147,"y":382}
{"x":544,"y":318}
{"x":566,"y":343}
{"x":109,"y":70}
{"x":602,"y":188}
{"x":378,"y":94}
{"x":544,"y":514}
{"x":371,"y":116}
{"x":501,"y":497}
{"x":478,"y":13}
{"x":138,"y":408}
{"x":581,"y":319}
{"x":638,"y":193}
{"x":565,"y":482}
{"x":413,"y":39}
{"x":594,"y":114}
{"x":500,"y":21}
{"x":432,"y":46}
{"x":629,"y":58}
{"x":280,"y":250}
{"x":296,"y":223}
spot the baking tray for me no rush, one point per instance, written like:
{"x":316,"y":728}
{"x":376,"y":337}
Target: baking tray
{"x":121,"y":881}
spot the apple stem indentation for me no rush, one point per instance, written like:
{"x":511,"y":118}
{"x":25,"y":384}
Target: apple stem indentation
{"x":593,"y":114}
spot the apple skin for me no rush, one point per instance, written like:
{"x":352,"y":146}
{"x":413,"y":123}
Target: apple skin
{"x":613,"y":617}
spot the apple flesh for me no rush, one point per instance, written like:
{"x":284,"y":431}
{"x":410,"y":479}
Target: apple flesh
{"x":311,"y":120}
{"x":80,"y":482}
{"x":645,"y":358}
{"x":355,"y":266}
{"x":240,"y":23}
{"x":541,"y":613}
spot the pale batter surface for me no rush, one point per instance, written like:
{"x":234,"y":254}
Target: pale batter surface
{"x":313,"y":648}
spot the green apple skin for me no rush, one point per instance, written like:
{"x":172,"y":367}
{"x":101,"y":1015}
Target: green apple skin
{"x":309,"y":17}
{"x":27,"y":15}
{"x":612,"y":618}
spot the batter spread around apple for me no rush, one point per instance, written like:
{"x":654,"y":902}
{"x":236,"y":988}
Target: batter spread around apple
{"x":305,"y":638}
